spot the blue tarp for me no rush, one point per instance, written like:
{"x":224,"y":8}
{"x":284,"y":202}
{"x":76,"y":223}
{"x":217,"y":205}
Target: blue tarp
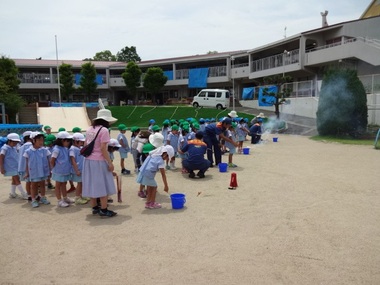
{"x":74,"y":104}
{"x":248,"y":93}
{"x":18,"y":128}
{"x":99,"y":79}
{"x":198,"y":77}
{"x":267,"y":100}
{"x":169,"y":74}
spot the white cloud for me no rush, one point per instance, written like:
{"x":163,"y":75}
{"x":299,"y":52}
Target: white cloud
{"x":158,"y":29}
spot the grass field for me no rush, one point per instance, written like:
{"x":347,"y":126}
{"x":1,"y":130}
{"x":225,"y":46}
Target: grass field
{"x":344,"y":140}
{"x":140,"y":116}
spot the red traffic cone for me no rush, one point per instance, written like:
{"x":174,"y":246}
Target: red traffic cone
{"x":233,"y":182}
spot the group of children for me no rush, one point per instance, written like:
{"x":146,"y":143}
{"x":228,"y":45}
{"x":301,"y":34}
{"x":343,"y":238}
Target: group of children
{"x":39,"y":157}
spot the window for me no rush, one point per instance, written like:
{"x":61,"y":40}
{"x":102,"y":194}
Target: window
{"x":211,"y":94}
{"x":202,"y":94}
{"x":218,"y":94}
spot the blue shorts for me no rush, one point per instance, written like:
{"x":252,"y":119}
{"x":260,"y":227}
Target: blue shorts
{"x":232,"y":150}
{"x":123,"y":154}
{"x":60,"y":178}
{"x":11,"y":173}
{"x":21,"y":174}
{"x":76,"y":178}
{"x":241,"y":138}
{"x":38,"y":179}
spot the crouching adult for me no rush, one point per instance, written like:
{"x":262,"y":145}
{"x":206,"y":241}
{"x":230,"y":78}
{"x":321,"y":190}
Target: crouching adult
{"x":195,"y":150}
{"x":255,"y":132}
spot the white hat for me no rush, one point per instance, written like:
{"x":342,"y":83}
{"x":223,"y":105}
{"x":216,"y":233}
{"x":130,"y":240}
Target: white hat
{"x":78,"y":137}
{"x":26,"y":133}
{"x":261,"y":115}
{"x":13,"y":137}
{"x":159,"y":151}
{"x":232,"y":114}
{"x":34,"y":134}
{"x":64,"y":135}
{"x":156,"y":140}
{"x":105,"y":115}
{"x":114,"y":143}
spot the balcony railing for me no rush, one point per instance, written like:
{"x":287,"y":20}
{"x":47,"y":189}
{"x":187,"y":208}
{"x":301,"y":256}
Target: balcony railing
{"x":37,"y":78}
{"x":274,"y":61}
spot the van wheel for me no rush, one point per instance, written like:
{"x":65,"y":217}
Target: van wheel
{"x":195,"y":105}
{"x":219,"y":107}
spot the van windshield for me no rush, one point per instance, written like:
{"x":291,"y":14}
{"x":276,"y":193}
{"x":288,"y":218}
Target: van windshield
{"x":227,"y":95}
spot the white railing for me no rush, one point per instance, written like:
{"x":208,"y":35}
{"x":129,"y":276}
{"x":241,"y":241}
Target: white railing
{"x":276,"y":60}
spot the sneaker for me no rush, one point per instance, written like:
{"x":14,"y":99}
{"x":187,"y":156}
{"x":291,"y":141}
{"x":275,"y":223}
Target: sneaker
{"x":72,"y":188}
{"x":95,"y":210}
{"x":29,"y":198}
{"x":109,"y":200}
{"x":68,"y":200}
{"x":44,"y":201}
{"x":155,"y":205}
{"x":125,"y":172}
{"x":167,"y":167}
{"x":232,"y":165}
{"x":13,"y":196}
{"x":147,"y":205}
{"x":107,"y":213}
{"x":50,"y":186}
{"x":62,"y":204}
{"x":25,"y":197}
{"x":87,"y":198}
{"x":35,"y":204}
{"x":191,"y":174}
{"x":200,"y":174}
{"x":141,"y":194}
{"x":80,"y":201}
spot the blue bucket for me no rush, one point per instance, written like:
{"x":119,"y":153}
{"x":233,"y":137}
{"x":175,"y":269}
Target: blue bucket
{"x":222,"y":167}
{"x":178,"y":200}
{"x":246,"y":150}
{"x":275,"y":139}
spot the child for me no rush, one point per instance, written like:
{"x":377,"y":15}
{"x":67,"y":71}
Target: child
{"x":182,"y":141}
{"x":9,"y":164}
{"x":241,"y":132}
{"x":61,"y":167}
{"x":153,"y":164}
{"x":151,"y":124}
{"x":231,"y":134}
{"x":124,"y":149}
{"x":135,"y":130}
{"x":166,"y":130}
{"x":138,"y":144}
{"x":37,"y":168}
{"x":48,"y":143}
{"x":77,"y":165}
{"x":173,"y":141}
{"x":22,"y":161}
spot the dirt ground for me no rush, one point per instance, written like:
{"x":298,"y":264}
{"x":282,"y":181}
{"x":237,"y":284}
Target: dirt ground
{"x":305,"y":212}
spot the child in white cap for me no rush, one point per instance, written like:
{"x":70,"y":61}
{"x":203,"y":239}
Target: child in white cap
{"x":153,"y":163}
{"x":9,"y":164}
{"x":37,"y":168}
{"x":22,"y":161}
{"x":77,"y":165}
{"x":61,"y":167}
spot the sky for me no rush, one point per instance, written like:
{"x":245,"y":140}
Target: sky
{"x":158,"y":28}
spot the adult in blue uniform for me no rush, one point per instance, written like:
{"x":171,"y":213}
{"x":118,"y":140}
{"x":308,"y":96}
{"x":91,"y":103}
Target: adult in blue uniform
{"x":214,"y":132}
{"x":195,"y":160}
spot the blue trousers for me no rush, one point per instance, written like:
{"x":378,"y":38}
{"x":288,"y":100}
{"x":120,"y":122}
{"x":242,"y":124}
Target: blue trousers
{"x":213,"y":145}
{"x":202,"y":165}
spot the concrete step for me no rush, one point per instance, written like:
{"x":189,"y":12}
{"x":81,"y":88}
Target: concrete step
{"x":28,"y":115}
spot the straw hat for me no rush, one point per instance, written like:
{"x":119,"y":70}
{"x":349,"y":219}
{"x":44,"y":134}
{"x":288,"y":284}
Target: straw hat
{"x":157,"y":140}
{"x":105,"y":115}
{"x":232,"y":114}
{"x":261,"y":115}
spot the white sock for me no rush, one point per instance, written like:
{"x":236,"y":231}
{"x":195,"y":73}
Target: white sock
{"x":21,"y":189}
{"x":13,"y":189}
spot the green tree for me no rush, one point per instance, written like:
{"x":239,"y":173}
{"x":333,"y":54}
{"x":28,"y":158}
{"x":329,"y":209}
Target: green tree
{"x":8,"y":73}
{"x":128,"y":54}
{"x":66,"y":78}
{"x":154,"y":80}
{"x":342,"y":106}
{"x":132,"y":78}
{"x":9,"y":84}
{"x":88,"y":79}
{"x":282,"y":93}
{"x":105,"y":55}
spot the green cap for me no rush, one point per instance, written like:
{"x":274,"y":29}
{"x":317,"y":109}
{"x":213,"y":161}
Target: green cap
{"x":135,"y":129}
{"x":196,"y":126}
{"x":234,"y":125}
{"x":77,"y":130}
{"x":122,"y":127}
{"x":61,"y":129}
{"x":175,"y":127}
{"x":156,"y":128}
{"x":148,"y":147}
{"x":47,"y":127}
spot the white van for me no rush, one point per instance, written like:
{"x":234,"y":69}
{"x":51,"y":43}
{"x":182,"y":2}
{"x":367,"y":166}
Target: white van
{"x":217,"y":98}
